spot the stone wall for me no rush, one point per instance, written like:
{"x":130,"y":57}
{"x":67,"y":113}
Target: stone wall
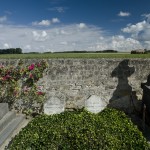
{"x":74,"y":80}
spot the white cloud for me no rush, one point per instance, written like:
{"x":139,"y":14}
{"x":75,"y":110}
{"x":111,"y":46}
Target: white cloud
{"x":69,"y":37}
{"x":60,"y":38}
{"x":44,"y":34}
{"x":140,"y":31}
{"x":40,"y":36}
{"x":118,"y":42}
{"x":27,"y":47}
{"x":122,"y":43}
{"x":42,"y":23}
{"x":147,"y":16}
{"x":3,"y":19}
{"x":64,"y":32}
{"x":6,"y":45}
{"x":64,"y":43}
{"x":81,"y":25}
{"x":55,"y":20}
{"x":46,"y":23}
{"x":135,"y":28}
{"x":123,"y":14}
{"x":147,"y":44}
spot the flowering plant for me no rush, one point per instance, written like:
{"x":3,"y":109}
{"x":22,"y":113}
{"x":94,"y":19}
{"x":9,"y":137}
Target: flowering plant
{"x":21,"y":83}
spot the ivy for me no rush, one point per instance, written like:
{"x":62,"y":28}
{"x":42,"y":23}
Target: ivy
{"x":81,"y":130}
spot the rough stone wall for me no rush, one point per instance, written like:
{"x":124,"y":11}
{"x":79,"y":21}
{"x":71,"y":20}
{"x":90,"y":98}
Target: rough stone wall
{"x":75,"y":80}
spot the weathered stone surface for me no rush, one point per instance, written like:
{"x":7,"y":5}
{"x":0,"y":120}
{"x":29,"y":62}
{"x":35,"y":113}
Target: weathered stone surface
{"x":112,"y":79}
{"x":95,"y":104}
{"x":54,"y":106}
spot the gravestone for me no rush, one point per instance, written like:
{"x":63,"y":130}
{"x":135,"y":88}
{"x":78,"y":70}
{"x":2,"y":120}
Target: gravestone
{"x":95,"y":104}
{"x":54,"y":106}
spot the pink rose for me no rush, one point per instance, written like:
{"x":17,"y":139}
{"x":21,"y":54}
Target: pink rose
{"x":38,"y":65}
{"x":40,"y":93}
{"x":31,"y":67}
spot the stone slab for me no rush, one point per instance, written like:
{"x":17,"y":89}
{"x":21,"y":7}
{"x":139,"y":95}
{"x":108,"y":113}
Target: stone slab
{"x":6,"y":119}
{"x":8,"y":130}
{"x":54,"y":106}
{"x":3,"y":109}
{"x":95,"y":104}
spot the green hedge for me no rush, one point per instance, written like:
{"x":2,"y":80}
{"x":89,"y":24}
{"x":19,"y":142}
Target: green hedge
{"x":81,"y":130}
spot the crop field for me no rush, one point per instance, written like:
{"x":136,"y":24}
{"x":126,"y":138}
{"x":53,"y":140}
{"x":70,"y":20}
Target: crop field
{"x":73,"y":55}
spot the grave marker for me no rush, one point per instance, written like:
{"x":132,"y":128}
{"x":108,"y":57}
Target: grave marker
{"x":95,"y":104}
{"x":54,"y":106}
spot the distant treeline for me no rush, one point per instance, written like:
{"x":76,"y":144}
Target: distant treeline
{"x":147,"y":51}
{"x":11,"y":51}
{"x":19,"y":51}
{"x":32,"y":53}
{"x":84,"y":51}
{"x":107,"y":51}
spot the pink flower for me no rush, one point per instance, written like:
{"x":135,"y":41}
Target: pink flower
{"x":31,"y":67}
{"x":38,"y":65}
{"x":40,"y":93}
{"x":8,"y":76}
{"x":4,"y":78}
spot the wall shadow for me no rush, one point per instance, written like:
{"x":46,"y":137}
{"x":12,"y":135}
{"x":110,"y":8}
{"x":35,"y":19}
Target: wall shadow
{"x":145,"y":100}
{"x":123,"y":90}
{"x":124,"y":98}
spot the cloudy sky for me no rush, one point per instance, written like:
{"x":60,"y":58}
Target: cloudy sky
{"x":66,"y":25}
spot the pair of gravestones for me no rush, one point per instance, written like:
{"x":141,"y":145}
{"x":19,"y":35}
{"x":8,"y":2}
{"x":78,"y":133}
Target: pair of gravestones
{"x":55,"y":106}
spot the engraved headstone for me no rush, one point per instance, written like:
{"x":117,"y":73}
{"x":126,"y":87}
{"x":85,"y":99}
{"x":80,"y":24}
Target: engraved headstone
{"x":54,"y":106}
{"x":95,"y":104}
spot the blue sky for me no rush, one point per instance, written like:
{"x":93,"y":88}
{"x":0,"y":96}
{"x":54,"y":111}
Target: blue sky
{"x":65,"y":25}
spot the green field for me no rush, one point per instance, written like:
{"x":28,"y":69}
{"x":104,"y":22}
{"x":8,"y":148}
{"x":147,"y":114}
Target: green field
{"x":73,"y":55}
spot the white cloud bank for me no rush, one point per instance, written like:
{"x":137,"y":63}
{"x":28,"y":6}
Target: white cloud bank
{"x":140,"y":31}
{"x":73,"y":37}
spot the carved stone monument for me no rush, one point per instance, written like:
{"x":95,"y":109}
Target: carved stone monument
{"x":54,"y":106}
{"x":95,"y":104}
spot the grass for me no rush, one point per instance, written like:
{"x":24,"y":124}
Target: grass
{"x":73,"y":55}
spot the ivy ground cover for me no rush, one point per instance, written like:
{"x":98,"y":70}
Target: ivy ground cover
{"x":81,"y":130}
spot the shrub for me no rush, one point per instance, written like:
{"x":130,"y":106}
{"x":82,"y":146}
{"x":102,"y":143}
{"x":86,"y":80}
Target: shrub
{"x":81,"y":130}
{"x":20,"y":82}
